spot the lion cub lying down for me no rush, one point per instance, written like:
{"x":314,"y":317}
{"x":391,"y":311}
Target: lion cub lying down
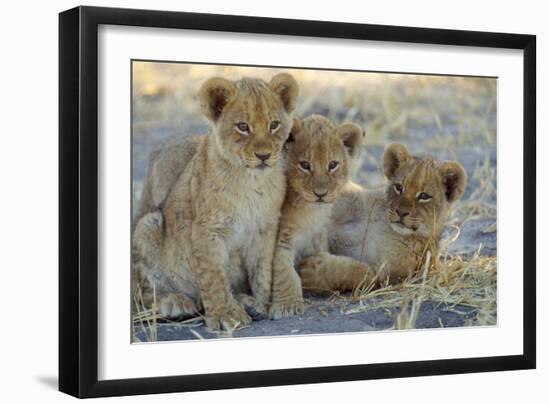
{"x":318,"y":164}
{"x":218,"y":203}
{"x":389,"y":230}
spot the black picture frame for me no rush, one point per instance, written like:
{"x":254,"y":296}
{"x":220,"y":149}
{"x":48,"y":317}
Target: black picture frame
{"x":78,"y":200}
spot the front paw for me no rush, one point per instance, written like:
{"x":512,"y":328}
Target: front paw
{"x":227,"y":318}
{"x":175,"y":306}
{"x":255,"y":309}
{"x":279,"y":310}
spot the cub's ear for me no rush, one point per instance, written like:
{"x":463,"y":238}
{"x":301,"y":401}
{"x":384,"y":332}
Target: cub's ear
{"x":394,"y":156}
{"x":352,"y":137}
{"x":284,"y":85}
{"x":454,"y":180}
{"x":214,"y":95}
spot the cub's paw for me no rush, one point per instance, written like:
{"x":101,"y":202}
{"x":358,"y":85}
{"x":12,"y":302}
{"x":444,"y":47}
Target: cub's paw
{"x":176,"y":306}
{"x":287,"y":309}
{"x":227,"y":318}
{"x":255,"y":309}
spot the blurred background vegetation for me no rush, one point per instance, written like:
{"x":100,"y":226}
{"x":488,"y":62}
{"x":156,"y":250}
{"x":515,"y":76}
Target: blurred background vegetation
{"x":440,"y":114}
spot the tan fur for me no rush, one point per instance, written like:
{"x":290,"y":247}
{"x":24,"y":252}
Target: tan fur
{"x":366,"y":224}
{"x":166,"y":163}
{"x":209,"y":235}
{"x":310,"y":195}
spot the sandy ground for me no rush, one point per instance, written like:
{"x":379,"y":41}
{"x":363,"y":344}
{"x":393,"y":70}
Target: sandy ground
{"x":450,"y":118}
{"x":322,"y":316}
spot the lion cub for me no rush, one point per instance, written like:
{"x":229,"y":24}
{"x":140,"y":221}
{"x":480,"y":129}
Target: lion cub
{"x":219,"y":204}
{"x":318,"y":164}
{"x":392,"y":229}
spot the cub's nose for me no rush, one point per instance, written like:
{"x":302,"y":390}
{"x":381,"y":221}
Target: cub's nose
{"x":263,"y":156}
{"x":401,"y":213}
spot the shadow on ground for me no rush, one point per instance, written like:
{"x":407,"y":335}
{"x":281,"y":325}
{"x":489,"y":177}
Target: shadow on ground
{"x":322,"y":316}
{"x":49,"y":381}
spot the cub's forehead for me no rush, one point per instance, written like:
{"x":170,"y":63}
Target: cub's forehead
{"x":418,"y":172}
{"x":254,"y":96}
{"x":318,"y":139}
{"x":319,"y":145}
{"x":252,"y":86}
{"x":252,"y":108}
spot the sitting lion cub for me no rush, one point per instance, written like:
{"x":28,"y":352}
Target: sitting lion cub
{"x":390,"y":229}
{"x":319,"y":159}
{"x":221,"y":204}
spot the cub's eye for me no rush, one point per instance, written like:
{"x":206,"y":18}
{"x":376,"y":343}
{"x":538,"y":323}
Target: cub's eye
{"x":332,"y":165}
{"x":305,"y":165}
{"x":398,"y":188}
{"x":274,"y":125}
{"x":242,"y":127}
{"x":423,"y":197}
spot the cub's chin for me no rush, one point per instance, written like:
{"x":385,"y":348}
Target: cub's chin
{"x":402,"y":229}
{"x":263,"y":166}
{"x":323,"y":201}
{"x":259,"y":168}
{"x":253,"y":166}
{"x":422,"y":231}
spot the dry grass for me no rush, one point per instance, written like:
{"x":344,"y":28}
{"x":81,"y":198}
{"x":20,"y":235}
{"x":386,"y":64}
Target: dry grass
{"x":481,"y":203}
{"x":449,"y":117}
{"x":145,"y":320}
{"x":452,"y":280}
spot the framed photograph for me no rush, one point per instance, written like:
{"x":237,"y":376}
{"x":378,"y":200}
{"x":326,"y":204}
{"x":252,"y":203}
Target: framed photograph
{"x":251,"y":201}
